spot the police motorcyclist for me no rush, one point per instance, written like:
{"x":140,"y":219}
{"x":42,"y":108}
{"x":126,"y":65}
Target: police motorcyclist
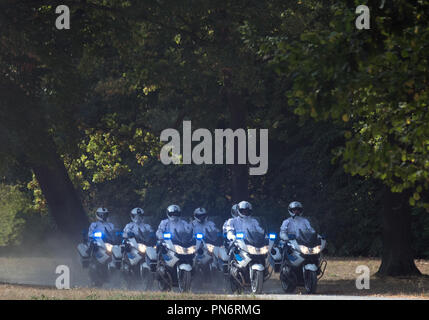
{"x":243,"y":221}
{"x":101,"y":225}
{"x":295,"y":223}
{"x":200,"y":223}
{"x":173,"y":222}
{"x":136,"y":225}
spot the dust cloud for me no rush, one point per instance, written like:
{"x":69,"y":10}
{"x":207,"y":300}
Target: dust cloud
{"x":35,"y":264}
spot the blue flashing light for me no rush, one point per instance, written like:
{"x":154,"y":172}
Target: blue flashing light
{"x":167,"y":235}
{"x":98,"y":234}
{"x":240,"y":235}
{"x":272,"y":236}
{"x":199,"y":236}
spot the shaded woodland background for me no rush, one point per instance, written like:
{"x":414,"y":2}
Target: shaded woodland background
{"x":81,"y":112}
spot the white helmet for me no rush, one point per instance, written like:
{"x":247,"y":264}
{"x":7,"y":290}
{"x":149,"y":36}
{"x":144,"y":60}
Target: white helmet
{"x":244,"y":209}
{"x":200,"y":214}
{"x":295,"y":208}
{"x":173,"y":212}
{"x":137,"y":215}
{"x":102,"y":214}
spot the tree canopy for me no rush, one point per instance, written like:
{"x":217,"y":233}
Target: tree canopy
{"x":81,"y":112}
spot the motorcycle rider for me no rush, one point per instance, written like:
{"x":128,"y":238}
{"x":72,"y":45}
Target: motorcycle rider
{"x":295,"y":222}
{"x":173,"y":222}
{"x":200,"y":223}
{"x":101,"y":224}
{"x":136,"y":223}
{"x":243,"y":221}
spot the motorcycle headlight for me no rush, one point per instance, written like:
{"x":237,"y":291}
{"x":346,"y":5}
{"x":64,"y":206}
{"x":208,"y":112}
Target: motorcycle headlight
{"x":317,"y":249}
{"x":141,"y":247}
{"x":182,"y":250}
{"x":179,"y":249}
{"x":264,"y":250}
{"x":254,"y":250}
{"x":304,"y":249}
{"x":210,"y":247}
{"x":191,"y":250}
{"x":109,"y":247}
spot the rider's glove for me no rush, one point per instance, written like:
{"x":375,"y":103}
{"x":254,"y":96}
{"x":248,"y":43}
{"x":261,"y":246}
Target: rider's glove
{"x":158,"y":246}
{"x":230,"y":236}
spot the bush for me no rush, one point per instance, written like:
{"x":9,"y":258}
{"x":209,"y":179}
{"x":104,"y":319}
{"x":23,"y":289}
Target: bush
{"x":13,"y":203}
{"x":19,"y":221}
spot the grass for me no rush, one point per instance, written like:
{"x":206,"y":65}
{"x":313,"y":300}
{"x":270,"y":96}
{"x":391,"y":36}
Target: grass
{"x":19,"y":292}
{"x":340,"y":277}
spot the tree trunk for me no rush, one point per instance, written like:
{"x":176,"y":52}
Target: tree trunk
{"x":397,"y":258}
{"x":240,"y":172}
{"x":63,"y":201}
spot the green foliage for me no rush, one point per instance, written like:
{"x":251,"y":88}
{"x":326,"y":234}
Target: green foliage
{"x":15,"y":214}
{"x":12,"y":204}
{"x":376,"y":80}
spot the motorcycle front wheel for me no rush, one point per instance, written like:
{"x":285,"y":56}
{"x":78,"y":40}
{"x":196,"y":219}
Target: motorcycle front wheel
{"x":184,"y":280}
{"x":97,"y":274}
{"x":146,"y":277}
{"x":236,"y":288}
{"x":310,"y":281}
{"x":257,"y":282}
{"x":288,"y":281}
{"x":163,"y":285}
{"x":164,"y":279}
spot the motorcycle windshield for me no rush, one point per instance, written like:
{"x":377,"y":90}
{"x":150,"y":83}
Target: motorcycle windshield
{"x":213,"y":237}
{"x":183,"y":237}
{"x":255,"y":238}
{"x":112,"y":237}
{"x":308,"y":238}
{"x":146,"y":237}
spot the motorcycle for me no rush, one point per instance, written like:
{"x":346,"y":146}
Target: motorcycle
{"x":301,"y":262}
{"x":176,"y":255}
{"x":211,"y":256}
{"x":100,"y":255}
{"x":139,"y":258}
{"x":275,"y":253}
{"x":247,"y":265}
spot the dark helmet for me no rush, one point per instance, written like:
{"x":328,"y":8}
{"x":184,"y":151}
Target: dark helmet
{"x":137,"y":214}
{"x":244,"y":209}
{"x":234,"y":211}
{"x":173,"y":211}
{"x":295,"y":208}
{"x":102,"y":214}
{"x":200,"y":214}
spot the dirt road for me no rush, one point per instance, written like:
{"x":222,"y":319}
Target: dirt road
{"x":339,"y":279}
